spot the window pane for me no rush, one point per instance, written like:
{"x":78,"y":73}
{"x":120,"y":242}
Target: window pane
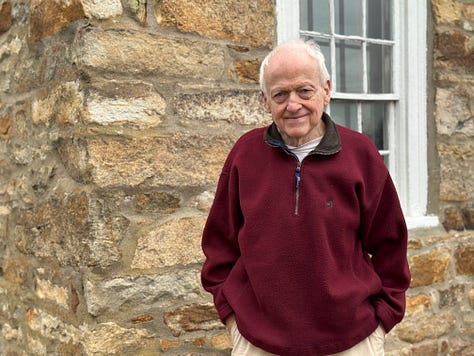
{"x":379,"y":19}
{"x":344,"y":113}
{"x":379,"y":68}
{"x":348,"y":17}
{"x":349,"y":76}
{"x":324,"y":44}
{"x":314,"y":15}
{"x":373,"y":119}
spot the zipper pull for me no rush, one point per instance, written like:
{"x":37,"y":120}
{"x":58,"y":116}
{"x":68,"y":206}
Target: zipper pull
{"x":298,"y":181}
{"x":298,"y":177}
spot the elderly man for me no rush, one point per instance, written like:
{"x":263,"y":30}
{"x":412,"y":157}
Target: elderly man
{"x":305,"y":243}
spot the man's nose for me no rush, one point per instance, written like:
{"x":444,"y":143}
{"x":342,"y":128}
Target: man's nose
{"x":293,"y":102}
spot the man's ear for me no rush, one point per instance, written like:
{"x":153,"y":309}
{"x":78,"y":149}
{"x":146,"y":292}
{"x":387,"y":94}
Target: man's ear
{"x":327,"y":92}
{"x":265,"y":101}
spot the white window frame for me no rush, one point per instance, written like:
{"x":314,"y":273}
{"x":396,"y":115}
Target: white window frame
{"x":408,"y":135}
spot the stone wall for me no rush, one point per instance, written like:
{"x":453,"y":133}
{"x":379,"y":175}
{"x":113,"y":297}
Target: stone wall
{"x":115,"y":119}
{"x":453,"y":85}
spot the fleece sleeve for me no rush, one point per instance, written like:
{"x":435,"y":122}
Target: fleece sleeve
{"x":219,"y":240}
{"x":385,"y":238}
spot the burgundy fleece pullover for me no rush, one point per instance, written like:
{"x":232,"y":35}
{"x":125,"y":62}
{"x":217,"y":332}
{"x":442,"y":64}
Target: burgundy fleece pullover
{"x":310,"y":258}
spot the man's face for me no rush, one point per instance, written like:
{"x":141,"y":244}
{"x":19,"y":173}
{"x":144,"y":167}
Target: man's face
{"x":295,"y":97}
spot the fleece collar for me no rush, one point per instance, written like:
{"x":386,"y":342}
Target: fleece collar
{"x":330,"y":143}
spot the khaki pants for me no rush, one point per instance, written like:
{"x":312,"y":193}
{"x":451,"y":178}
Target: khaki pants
{"x":373,"y":345}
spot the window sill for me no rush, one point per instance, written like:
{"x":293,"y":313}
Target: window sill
{"x":422,"y":222}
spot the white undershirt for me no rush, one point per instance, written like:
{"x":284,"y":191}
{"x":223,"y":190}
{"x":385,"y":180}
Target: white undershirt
{"x":302,"y":151}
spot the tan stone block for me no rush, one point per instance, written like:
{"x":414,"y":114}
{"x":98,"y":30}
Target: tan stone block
{"x":455,"y":186}
{"x":415,"y":330}
{"x":111,"y":338}
{"x":446,"y":11}
{"x":199,"y":342}
{"x":4,"y":223}
{"x":453,"y":219}
{"x":61,"y":105}
{"x":74,"y":230}
{"x":449,"y":237}
{"x":142,"y":53}
{"x":73,"y":155}
{"x":49,"y":17}
{"x":425,"y":349}
{"x":415,"y":244}
{"x":456,"y":171}
{"x":454,"y":46}
{"x":9,"y":333}
{"x":464,"y":256}
{"x":176,"y":161}
{"x":444,"y":346}
{"x":102,"y":9}
{"x":156,"y":202}
{"x":471,"y":297}
{"x":221,"y":110}
{"x":69,"y":349}
{"x":44,"y":289}
{"x":138,"y":9}
{"x":461,"y":150}
{"x":247,"y":71}
{"x":15,"y":270}
{"x":5,"y":16}
{"x":468,"y":12}
{"x":222,"y":341}
{"x":161,"y":290}
{"x":204,"y":201}
{"x":192,"y":318}
{"x":452,"y":111}
{"x":6,"y":128}
{"x":429,"y":268}
{"x":168,"y":344}
{"x":451,"y":297}
{"x":444,"y":75}
{"x":52,"y":327}
{"x":35,"y":346}
{"x":468,"y":217}
{"x":176,"y":242}
{"x":142,"y":319}
{"x":125,"y":104}
{"x":458,"y":346}
{"x":244,"y":21}
{"x":418,"y":304}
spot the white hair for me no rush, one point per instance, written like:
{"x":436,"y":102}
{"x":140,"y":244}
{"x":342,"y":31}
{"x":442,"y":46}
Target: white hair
{"x":311,"y":47}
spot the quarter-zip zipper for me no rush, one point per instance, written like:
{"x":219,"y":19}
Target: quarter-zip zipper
{"x":297,"y":187}
{"x":276,"y":143}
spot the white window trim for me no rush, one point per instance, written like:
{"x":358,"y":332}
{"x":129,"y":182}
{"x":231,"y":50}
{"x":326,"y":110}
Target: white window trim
{"x":409,"y":168}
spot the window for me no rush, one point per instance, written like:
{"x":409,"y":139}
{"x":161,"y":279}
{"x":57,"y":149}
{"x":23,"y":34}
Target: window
{"x":356,"y":37}
{"x":377,"y":88}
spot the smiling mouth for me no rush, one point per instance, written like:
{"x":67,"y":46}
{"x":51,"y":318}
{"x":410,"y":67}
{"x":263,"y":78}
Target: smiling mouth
{"x":296,"y":117}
